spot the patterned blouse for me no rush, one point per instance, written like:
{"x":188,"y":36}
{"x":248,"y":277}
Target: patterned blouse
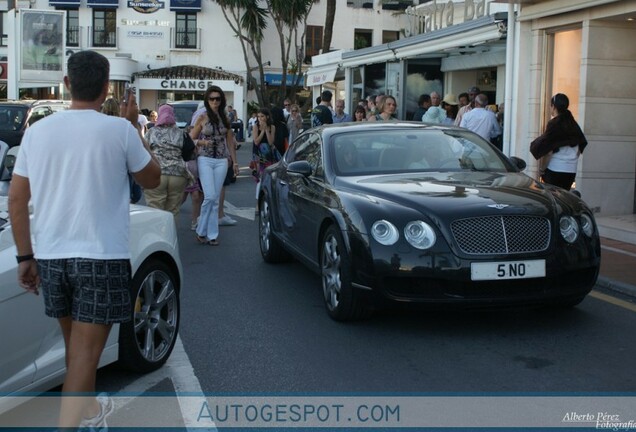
{"x":218,"y":135}
{"x":166,"y":142}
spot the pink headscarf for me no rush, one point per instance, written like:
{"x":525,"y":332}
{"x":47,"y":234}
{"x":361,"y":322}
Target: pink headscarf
{"x":165,"y":117}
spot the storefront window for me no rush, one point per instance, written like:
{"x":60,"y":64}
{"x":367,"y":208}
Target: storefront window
{"x":375,"y":79}
{"x":358,"y":86}
{"x":422,"y":77}
{"x":566,"y":67}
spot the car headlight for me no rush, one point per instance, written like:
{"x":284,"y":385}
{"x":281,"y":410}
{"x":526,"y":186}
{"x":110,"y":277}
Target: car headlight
{"x":419,"y":234}
{"x":569,"y":228}
{"x":587,"y":225}
{"x":384,"y":232}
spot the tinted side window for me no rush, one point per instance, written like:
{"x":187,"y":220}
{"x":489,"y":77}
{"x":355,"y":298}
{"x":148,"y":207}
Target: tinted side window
{"x":310,"y":150}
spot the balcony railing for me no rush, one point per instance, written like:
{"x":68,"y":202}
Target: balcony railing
{"x":72,"y":36}
{"x":103,"y":38}
{"x":185,"y":39}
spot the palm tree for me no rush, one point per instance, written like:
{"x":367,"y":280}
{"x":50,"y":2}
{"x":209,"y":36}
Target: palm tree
{"x":248,"y":20}
{"x":331,"y":15}
{"x":288,"y":15}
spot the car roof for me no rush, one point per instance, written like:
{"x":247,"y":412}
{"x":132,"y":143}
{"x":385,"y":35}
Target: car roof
{"x":185,"y":102}
{"x":35,"y":102}
{"x":357,"y":126}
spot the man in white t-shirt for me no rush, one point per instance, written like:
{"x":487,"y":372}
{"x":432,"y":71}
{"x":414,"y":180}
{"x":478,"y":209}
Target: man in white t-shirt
{"x":74,"y":166}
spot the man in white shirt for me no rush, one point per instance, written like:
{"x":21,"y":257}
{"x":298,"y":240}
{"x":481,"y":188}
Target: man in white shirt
{"x":480,"y":120}
{"x":80,"y":224}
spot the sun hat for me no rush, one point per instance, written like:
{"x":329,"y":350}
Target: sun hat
{"x":165,"y":117}
{"x":450,"y":99}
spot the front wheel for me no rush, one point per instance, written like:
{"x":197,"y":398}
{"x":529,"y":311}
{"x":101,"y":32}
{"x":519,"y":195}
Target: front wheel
{"x":145,"y":343}
{"x":341,"y":300}
{"x":271,"y":249}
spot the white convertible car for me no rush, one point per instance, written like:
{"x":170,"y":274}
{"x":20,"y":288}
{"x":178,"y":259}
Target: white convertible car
{"x":32,"y":347}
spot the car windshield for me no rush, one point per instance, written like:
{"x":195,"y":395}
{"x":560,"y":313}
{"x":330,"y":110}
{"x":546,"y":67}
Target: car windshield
{"x":12,"y":117}
{"x":183,"y":113}
{"x":407,"y":150}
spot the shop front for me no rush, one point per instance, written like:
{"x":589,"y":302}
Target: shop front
{"x":448,"y":60}
{"x":581,"y":51}
{"x":156,"y":87}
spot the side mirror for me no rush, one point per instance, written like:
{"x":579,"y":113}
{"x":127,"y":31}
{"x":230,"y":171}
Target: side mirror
{"x":300,"y":167}
{"x":518,"y":162}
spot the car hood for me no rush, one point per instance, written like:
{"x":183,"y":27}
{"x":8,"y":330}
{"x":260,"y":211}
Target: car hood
{"x":453,"y":194}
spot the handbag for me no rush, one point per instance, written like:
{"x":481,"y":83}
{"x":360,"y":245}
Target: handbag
{"x":187,"y":150}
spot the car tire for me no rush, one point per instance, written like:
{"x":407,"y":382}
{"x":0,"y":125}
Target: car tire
{"x":341,"y":300}
{"x":271,"y":249}
{"x":145,"y":342}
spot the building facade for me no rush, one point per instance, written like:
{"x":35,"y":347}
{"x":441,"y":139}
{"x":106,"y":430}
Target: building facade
{"x":168,"y":50}
{"x":520,"y":53}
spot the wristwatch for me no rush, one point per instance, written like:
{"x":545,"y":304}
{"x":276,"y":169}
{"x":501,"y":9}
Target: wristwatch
{"x":21,"y":258}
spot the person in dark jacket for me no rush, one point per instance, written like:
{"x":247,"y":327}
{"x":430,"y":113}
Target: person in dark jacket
{"x":564,"y":140}
{"x":281,"y":135}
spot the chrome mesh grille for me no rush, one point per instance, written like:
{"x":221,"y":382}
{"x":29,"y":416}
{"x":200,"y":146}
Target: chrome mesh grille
{"x":501,"y":234}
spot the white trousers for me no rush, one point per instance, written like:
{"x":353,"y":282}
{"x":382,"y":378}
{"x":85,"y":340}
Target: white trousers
{"x":212,"y":174}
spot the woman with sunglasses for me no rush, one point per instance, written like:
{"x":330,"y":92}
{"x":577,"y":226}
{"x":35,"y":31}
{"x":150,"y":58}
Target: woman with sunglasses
{"x":215,"y":142}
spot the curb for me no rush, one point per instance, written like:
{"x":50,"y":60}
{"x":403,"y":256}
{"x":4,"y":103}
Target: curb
{"x":614,"y":285}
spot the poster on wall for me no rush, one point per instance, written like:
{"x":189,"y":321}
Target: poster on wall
{"x":42,"y":53}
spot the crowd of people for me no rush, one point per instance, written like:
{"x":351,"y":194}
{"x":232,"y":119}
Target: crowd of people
{"x":557,"y":149}
{"x":202,"y":162}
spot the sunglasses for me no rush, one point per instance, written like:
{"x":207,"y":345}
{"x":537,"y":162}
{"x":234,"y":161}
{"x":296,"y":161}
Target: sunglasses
{"x":286,"y":104}
{"x":215,"y":98}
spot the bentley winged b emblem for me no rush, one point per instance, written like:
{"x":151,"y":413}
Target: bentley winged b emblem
{"x":498,"y":206}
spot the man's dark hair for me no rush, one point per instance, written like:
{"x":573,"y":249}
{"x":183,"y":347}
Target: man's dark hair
{"x":318,"y":99}
{"x":88,"y":71}
{"x":463,"y":95}
{"x":326,"y":96}
{"x":424,"y":98}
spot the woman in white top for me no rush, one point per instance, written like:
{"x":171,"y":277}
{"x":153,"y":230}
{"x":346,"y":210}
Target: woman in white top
{"x":564,"y":139}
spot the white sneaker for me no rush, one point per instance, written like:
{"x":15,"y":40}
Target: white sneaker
{"x":98,"y":423}
{"x":193,"y":225}
{"x":227,"y":221}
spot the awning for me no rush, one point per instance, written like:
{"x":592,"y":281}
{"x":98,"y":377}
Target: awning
{"x":185,"y":5}
{"x":319,"y":76}
{"x":478,"y":31}
{"x":65,"y":4}
{"x":103,"y":4}
{"x":189,"y":72}
{"x":474,"y":61}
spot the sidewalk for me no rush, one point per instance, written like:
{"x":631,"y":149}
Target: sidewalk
{"x":618,"y":253}
{"x":618,"y":266}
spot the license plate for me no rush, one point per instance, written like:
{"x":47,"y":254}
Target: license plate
{"x":507,"y":270}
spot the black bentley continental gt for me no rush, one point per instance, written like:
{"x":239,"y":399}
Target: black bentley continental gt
{"x":423,"y":214}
